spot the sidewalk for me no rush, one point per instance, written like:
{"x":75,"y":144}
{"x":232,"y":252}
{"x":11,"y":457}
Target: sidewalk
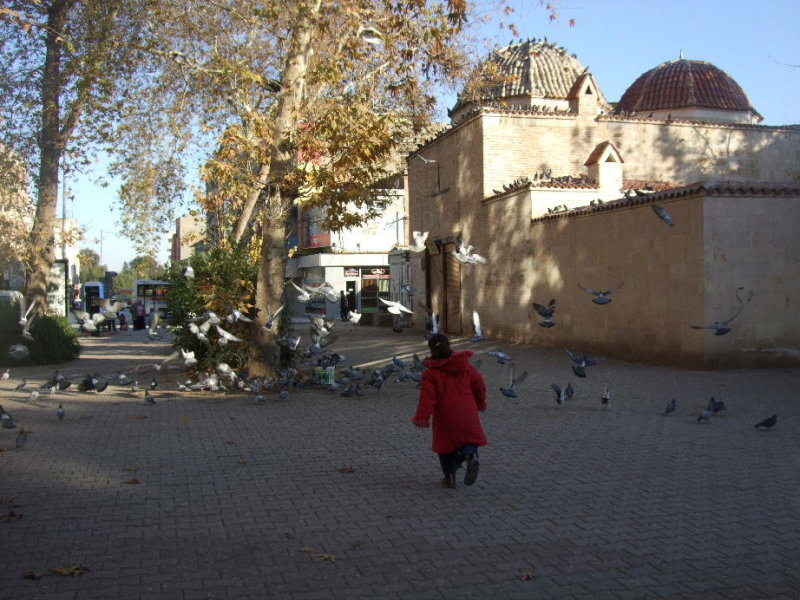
{"x":319,"y":496}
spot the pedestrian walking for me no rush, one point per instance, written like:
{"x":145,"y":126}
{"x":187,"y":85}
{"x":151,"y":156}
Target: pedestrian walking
{"x":344,"y":306}
{"x":453,"y":393}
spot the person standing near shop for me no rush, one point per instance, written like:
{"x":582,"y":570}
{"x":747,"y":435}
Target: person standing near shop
{"x":344,"y":306}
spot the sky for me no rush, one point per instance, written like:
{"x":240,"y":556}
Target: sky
{"x":756,"y":43}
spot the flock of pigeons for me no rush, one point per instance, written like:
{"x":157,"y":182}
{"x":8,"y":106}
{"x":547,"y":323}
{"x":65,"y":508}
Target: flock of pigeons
{"x":323,"y":363}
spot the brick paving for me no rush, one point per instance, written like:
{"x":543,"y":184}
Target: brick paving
{"x":239,"y":500}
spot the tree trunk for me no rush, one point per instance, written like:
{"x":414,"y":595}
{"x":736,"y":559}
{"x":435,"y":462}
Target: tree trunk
{"x":42,"y":240}
{"x":247,"y":210}
{"x":272,"y":265}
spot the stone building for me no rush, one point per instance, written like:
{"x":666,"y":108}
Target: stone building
{"x":556,"y":187}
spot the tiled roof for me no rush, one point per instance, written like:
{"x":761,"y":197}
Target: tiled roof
{"x":535,"y":68}
{"x":706,"y":188}
{"x":681,"y":84}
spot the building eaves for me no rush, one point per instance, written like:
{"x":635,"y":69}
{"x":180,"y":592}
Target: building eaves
{"x":702,"y":188}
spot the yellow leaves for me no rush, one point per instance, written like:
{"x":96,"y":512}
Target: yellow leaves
{"x":325,"y":557}
{"x":69,"y":571}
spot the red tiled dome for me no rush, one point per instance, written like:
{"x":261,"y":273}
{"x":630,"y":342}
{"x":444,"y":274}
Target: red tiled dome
{"x":685,"y":84}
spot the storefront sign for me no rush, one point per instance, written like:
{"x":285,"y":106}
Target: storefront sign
{"x":350,"y":272}
{"x":375,"y":273}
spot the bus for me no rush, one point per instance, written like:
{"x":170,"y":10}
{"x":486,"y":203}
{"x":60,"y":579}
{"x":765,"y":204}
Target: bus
{"x":152,"y":293}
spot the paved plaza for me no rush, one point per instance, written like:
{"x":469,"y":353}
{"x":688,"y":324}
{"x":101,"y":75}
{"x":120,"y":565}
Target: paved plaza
{"x":323,"y":497}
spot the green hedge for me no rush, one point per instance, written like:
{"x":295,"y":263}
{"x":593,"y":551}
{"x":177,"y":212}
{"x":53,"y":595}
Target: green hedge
{"x":54,"y":339}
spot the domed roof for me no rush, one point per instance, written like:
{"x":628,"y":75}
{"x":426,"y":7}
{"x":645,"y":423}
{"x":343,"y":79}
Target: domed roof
{"x":685,"y":84}
{"x":533,"y":68}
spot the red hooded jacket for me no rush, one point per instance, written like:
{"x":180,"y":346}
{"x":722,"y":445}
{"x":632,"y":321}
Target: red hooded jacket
{"x":453,"y":392}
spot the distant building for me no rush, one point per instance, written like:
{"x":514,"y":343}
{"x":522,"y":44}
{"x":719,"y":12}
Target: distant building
{"x":190,"y":232}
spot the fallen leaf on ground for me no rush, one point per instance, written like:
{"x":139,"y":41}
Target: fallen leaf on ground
{"x":305,"y":549}
{"x":69,"y":571}
{"x":133,"y":481}
{"x":31,"y":575}
{"x":526,"y":576}
{"x":130,"y":469}
{"x":326,"y":557}
{"x":140,"y":417}
{"x":11,"y":516}
{"x":347,"y":470}
{"x":230,"y":443}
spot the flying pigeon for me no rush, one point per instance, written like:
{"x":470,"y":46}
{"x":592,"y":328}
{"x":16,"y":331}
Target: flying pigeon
{"x":270,"y":324}
{"x":21,"y":385}
{"x":395,"y":307}
{"x":663,"y":214}
{"x":303,"y":296}
{"x":237,"y":315}
{"x":581,"y":362}
{"x":601,"y":297}
{"x":434,"y":324}
{"x":288,"y":342}
{"x":418,"y":241}
{"x":353,"y":317}
{"x":671,"y":406}
{"x":6,"y":375}
{"x":227,"y":336}
{"x":188,"y":272}
{"x":767,"y":423}
{"x":511,"y":390}
{"x":464,"y":254}
{"x":476,"y":323}
{"x":501,"y":356}
{"x":546,"y":312}
{"x":721,"y":327}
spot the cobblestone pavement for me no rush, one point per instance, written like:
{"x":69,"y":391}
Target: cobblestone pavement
{"x":319,"y":496}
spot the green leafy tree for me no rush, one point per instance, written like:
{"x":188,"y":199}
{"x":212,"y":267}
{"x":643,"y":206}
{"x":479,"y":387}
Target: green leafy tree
{"x":91,"y":269}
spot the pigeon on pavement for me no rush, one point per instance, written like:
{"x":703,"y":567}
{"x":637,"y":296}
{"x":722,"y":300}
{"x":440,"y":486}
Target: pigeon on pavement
{"x":671,"y":406}
{"x":767,"y":423}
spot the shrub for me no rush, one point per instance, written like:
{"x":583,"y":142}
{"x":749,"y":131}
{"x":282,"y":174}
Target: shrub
{"x":224,"y":279}
{"x":54,"y":338}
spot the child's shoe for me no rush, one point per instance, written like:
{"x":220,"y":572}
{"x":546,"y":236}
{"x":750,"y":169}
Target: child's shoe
{"x":449,"y":480}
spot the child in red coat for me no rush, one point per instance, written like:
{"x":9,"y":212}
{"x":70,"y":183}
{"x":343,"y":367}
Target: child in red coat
{"x":453,"y":392}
